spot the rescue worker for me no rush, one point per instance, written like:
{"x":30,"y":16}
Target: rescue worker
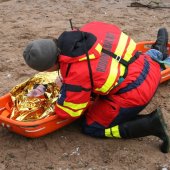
{"x":100,"y":60}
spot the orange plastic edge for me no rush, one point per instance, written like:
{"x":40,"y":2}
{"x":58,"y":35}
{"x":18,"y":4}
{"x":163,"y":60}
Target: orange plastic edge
{"x":30,"y":129}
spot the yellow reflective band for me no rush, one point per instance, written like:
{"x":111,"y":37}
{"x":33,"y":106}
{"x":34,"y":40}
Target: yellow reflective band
{"x":108,"y":133}
{"x":131,"y":47}
{"x":98,"y":48}
{"x":115,"y":131}
{"x":122,"y":70}
{"x":75,"y":106}
{"x":112,"y":132}
{"x":91,"y":56}
{"x":121,"y":44}
{"x":71,"y":112}
{"x":111,"y":78}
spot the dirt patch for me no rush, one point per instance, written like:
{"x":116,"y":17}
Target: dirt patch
{"x":22,"y":21}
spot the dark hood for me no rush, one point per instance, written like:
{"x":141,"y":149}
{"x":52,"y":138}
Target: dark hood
{"x":71,"y":43}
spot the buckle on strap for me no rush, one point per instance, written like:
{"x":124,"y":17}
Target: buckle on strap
{"x":118,"y":58}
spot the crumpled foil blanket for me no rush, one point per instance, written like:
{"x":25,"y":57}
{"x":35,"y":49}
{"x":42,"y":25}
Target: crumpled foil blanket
{"x":28,"y":109}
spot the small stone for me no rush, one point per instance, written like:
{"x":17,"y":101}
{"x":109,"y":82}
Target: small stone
{"x":9,"y":75}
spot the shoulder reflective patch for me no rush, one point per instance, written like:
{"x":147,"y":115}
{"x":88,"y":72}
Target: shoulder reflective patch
{"x":91,"y":56}
{"x":104,"y":58}
{"x":98,"y":48}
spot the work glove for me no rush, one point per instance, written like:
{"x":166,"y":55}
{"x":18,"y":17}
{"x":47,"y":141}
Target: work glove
{"x":37,"y":91}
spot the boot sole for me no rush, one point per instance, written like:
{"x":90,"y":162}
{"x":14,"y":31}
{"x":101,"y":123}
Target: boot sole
{"x":164,"y":126}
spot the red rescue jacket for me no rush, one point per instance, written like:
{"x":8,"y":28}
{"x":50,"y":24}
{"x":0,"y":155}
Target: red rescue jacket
{"x":107,"y":72}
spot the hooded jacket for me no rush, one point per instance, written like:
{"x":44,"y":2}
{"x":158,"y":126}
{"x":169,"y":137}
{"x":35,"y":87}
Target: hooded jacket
{"x":105,"y":71}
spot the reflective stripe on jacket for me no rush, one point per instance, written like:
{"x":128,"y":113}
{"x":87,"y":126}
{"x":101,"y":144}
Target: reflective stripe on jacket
{"x":106,"y":71}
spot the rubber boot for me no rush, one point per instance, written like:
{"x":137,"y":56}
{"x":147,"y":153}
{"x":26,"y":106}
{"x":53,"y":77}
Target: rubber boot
{"x":152,"y":124}
{"x":162,"y":42}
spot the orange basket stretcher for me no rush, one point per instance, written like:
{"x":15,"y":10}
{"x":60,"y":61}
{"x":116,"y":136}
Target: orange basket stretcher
{"x":33,"y":129}
{"x":52,"y":123}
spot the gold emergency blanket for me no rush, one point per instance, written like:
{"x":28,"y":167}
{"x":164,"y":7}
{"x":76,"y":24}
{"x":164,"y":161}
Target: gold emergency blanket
{"x":34,"y":108}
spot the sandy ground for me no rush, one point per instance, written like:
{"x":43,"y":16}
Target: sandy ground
{"x":25,"y":20}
